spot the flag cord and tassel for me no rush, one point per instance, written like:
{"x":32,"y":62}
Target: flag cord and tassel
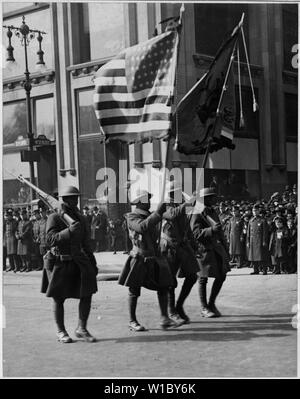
{"x":255,"y":105}
{"x":215,"y":122}
{"x":242,"y":122}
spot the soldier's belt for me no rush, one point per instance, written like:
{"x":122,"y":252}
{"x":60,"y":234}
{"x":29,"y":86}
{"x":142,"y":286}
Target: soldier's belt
{"x":137,"y":251}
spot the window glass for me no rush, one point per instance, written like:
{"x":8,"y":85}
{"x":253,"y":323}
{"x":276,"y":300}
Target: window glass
{"x":88,"y":122}
{"x":14,"y":121}
{"x":44,"y":116}
{"x":290,"y":33}
{"x":91,"y":155}
{"x":99,"y":31}
{"x":291,"y":114}
{"x":35,"y":20}
{"x":106,"y":24}
{"x":213,"y":22}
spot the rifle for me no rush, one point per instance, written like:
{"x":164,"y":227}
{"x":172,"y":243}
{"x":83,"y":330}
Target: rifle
{"x":50,"y":201}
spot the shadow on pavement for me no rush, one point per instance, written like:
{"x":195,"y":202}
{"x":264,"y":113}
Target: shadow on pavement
{"x":208,"y":335}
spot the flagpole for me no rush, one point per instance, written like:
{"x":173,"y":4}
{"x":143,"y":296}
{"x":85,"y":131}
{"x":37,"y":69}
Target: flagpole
{"x":217,"y":112}
{"x":175,"y":89}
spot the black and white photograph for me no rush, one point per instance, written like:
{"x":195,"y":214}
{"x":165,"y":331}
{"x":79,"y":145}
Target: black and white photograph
{"x":149,"y":195}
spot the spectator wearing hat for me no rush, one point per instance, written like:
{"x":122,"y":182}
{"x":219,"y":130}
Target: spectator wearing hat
{"x":25,"y":241}
{"x":224,"y":217}
{"x":293,"y":198}
{"x":257,"y":236}
{"x":127,"y":240}
{"x":38,"y":259}
{"x":245,"y":220}
{"x":278,"y":246}
{"x":43,"y":247}
{"x":4,"y":252}
{"x":98,"y":229}
{"x":292,"y":247}
{"x":175,"y":245}
{"x":87,"y":217}
{"x":70,"y":268}
{"x":235,"y":230}
{"x":211,"y":250}
{"x":10,"y":226}
{"x":144,"y":267}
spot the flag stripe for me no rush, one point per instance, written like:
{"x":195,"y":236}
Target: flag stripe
{"x":118,"y":94}
{"x":131,"y":104}
{"x":148,"y":108}
{"x":138,"y":127}
{"x":116,"y":120}
{"x":134,"y":91}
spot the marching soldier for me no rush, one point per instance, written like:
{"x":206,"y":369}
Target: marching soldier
{"x":144,"y":267}
{"x":257,"y":236}
{"x":10,"y":228}
{"x":235,"y":230}
{"x":24,"y":237}
{"x":176,"y":247}
{"x":70,"y":267}
{"x":212,"y":253}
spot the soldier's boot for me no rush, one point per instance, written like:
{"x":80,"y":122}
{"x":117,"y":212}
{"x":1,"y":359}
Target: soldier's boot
{"x":166,"y":322}
{"x":172,"y":309}
{"x":58,"y":309}
{"x":255,"y":268}
{"x":134,"y":325}
{"x":277,"y":269}
{"x":205,"y":311}
{"x":184,"y":293}
{"x":84,"y":311}
{"x":28,"y":265}
{"x":215,"y":290}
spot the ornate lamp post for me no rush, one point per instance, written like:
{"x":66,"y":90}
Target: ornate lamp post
{"x":26,"y":35}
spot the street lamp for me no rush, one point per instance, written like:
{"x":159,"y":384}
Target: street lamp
{"x":26,"y":35}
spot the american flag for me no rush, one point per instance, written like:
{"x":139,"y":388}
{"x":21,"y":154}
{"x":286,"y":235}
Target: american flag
{"x":134,"y":91}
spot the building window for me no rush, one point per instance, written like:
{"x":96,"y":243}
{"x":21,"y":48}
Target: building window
{"x":251,"y":119}
{"x":213,"y":22}
{"x":39,"y":19}
{"x":290,"y":33}
{"x":44,"y":117}
{"x":291,"y":114}
{"x":14,"y":121}
{"x":87,"y":121}
{"x":99,"y":30}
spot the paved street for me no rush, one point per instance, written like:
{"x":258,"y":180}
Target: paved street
{"x":253,"y":339}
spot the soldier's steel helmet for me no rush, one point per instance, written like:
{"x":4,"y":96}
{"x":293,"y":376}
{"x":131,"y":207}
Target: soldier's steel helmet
{"x":69,"y":191}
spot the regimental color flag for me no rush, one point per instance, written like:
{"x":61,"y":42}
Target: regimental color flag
{"x":195,"y":120}
{"x":134,"y":91}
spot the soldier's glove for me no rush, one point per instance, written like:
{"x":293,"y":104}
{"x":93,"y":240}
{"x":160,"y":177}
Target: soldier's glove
{"x":75,"y":228}
{"x":161,"y":208}
{"x":217,"y":227}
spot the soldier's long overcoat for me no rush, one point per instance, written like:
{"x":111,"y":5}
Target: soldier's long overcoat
{"x":257,"y":239}
{"x":76,"y":276}
{"x":25,"y":238}
{"x":175,"y":242}
{"x":9,"y":236}
{"x":235,"y":229}
{"x":211,"y":248}
{"x":144,"y":267}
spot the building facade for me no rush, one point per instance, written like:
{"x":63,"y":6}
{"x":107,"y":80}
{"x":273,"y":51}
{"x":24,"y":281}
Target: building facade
{"x":83,"y":36}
